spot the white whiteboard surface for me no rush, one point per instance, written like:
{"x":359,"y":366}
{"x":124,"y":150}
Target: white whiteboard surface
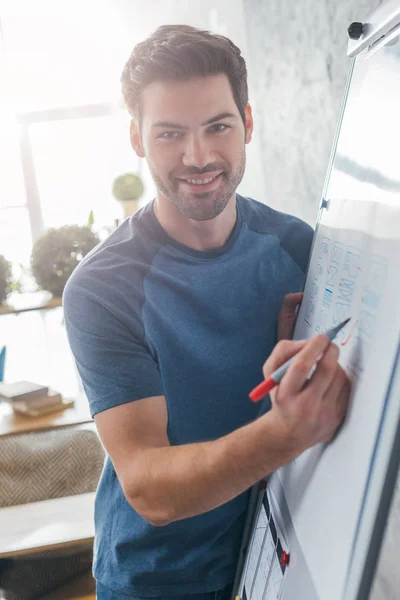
{"x":354,"y":272}
{"x":332,"y":496}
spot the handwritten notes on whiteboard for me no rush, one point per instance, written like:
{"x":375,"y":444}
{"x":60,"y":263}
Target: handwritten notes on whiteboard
{"x":346,"y":280}
{"x":354,"y":272}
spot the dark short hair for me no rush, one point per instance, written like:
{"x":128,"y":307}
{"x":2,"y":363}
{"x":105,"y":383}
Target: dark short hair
{"x":182,"y":52}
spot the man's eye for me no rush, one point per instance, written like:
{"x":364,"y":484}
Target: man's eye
{"x":218,"y":127}
{"x":170,"y":135}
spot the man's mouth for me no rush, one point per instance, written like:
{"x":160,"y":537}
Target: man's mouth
{"x":207,"y":180}
{"x":200,"y":181}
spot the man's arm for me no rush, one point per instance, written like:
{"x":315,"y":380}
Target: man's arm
{"x":166,"y":483}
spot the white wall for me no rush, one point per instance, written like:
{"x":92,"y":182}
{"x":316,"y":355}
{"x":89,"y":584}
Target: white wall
{"x":297,"y":52}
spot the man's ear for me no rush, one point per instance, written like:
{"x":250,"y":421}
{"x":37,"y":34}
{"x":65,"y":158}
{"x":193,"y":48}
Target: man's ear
{"x":249,"y":123}
{"x":135,"y":139}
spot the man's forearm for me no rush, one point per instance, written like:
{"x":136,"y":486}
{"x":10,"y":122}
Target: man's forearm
{"x":175,"y":482}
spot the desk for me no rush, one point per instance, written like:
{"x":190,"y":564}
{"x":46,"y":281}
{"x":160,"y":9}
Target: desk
{"x":47,"y":525}
{"x":12,"y":423}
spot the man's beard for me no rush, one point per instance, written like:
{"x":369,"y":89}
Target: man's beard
{"x":207,"y":205}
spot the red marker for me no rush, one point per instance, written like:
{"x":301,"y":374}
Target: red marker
{"x":268,"y":384}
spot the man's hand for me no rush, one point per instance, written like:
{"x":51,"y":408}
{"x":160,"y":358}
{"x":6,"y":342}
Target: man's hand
{"x":306,"y":412}
{"x":288,"y":315}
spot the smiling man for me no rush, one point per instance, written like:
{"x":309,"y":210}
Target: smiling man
{"x":196,"y":164}
{"x":171,"y":320}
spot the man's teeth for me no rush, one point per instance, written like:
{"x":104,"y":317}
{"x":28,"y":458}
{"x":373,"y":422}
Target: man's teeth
{"x":200,"y":181}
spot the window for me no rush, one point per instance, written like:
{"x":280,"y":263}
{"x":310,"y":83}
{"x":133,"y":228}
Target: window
{"x":14,"y":218}
{"x":59,"y":55}
{"x":64,"y":138}
{"x":76,"y":162}
{"x":62,"y":82}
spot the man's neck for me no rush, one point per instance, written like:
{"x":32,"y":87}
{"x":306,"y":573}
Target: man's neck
{"x":199,"y":235}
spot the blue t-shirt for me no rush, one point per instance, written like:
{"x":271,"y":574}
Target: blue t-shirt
{"x":148,"y":316}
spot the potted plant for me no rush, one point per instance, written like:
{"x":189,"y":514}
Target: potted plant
{"x":5,"y":279}
{"x":57,"y":253}
{"x":128,"y":189}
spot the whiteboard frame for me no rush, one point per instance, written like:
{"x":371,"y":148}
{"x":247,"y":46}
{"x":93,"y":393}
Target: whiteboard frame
{"x":378,"y":24}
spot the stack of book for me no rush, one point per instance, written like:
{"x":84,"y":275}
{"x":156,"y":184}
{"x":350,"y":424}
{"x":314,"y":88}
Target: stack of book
{"x":32,"y":399}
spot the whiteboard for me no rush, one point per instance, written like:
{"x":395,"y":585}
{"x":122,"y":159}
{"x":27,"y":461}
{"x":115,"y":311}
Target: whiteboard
{"x":334,"y":499}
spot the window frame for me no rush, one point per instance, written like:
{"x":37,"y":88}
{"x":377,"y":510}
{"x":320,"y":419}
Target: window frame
{"x":26,"y":120}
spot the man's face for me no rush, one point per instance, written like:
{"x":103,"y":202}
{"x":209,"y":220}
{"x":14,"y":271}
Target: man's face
{"x":193,"y":138}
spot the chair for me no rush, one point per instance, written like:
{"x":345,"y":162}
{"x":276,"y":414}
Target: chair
{"x":39,"y":468}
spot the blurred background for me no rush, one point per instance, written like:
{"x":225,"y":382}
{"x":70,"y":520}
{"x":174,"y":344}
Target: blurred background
{"x":68,"y":174}
{"x":64,"y":129}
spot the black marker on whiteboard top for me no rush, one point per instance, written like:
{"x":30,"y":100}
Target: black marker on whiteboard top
{"x":268,"y":384}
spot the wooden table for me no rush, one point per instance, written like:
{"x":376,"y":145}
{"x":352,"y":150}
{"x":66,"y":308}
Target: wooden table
{"x":47,"y":525}
{"x":12,"y":423}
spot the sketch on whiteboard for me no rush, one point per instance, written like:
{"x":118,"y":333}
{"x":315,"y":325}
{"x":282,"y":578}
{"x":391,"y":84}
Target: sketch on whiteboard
{"x":353,"y":272}
{"x":345,"y":282}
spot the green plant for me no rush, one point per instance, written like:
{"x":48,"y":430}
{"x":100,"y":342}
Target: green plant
{"x":57,"y":253}
{"x":5,"y":278}
{"x":128,"y":187}
{"x":90,"y":220}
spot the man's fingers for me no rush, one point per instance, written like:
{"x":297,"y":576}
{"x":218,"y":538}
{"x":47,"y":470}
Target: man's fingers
{"x":298,"y":372}
{"x":290,"y":302}
{"x":287,"y":315}
{"x":325,"y":375}
{"x":283,"y":351}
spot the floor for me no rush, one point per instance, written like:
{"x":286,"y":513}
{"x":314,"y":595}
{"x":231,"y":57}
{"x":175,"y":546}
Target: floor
{"x":82,"y":588}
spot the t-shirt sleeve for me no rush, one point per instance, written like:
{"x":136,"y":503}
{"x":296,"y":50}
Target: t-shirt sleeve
{"x":296,"y":239}
{"x":295,"y":236}
{"x":113,"y":361}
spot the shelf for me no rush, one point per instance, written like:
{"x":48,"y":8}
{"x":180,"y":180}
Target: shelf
{"x":12,"y":423}
{"x":29,"y":305}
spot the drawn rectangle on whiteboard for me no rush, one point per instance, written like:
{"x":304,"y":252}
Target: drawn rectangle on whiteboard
{"x":256,"y":548}
{"x":263,"y":573}
{"x":265,"y":563}
{"x":274,"y":588}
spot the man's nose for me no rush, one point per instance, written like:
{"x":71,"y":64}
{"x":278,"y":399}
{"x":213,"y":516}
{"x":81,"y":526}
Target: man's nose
{"x":197,"y":152}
